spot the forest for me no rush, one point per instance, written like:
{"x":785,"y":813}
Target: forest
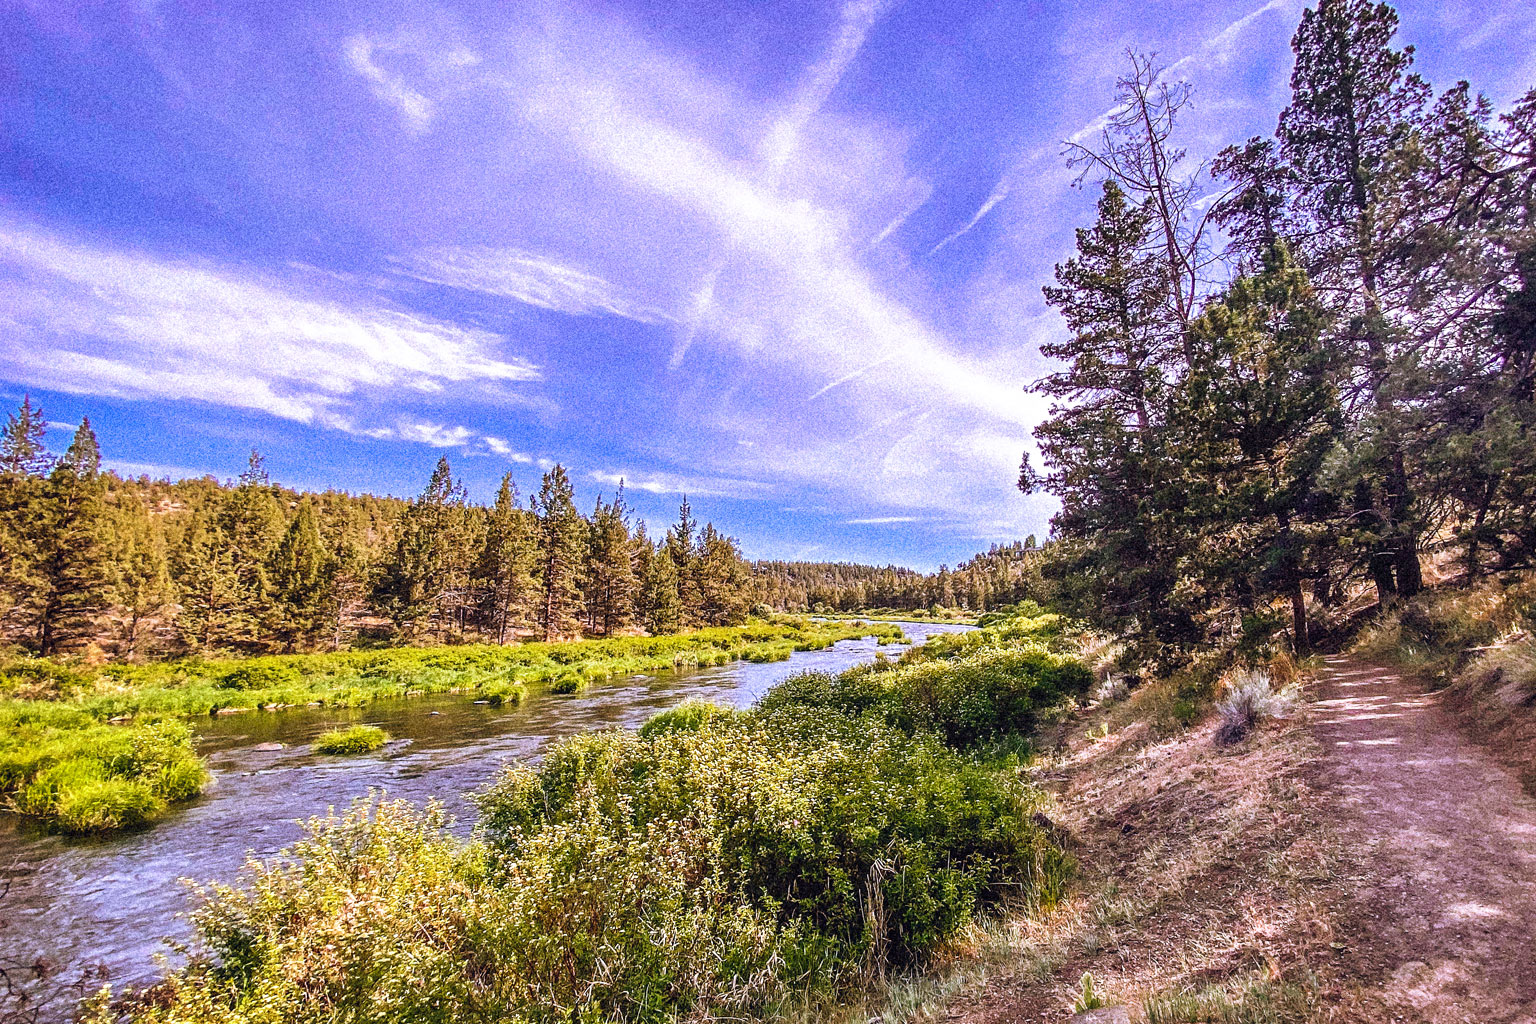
{"x":136,"y":568}
{"x":1303,"y":370}
{"x":141,"y":567}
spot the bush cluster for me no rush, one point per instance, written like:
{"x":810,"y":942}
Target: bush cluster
{"x":716,"y":864}
{"x":83,"y":776}
{"x":969,"y":688}
{"x":357,"y":739}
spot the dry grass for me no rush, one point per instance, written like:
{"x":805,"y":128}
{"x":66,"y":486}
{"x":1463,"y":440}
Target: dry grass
{"x":1200,"y":888}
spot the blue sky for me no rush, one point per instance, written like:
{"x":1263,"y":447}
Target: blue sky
{"x":785,"y":256}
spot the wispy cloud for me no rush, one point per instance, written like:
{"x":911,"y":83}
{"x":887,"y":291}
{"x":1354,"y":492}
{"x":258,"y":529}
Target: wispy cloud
{"x":499,"y":447}
{"x":362,"y":54}
{"x":438,"y":435}
{"x":666,"y":483}
{"x":816,"y":85}
{"x":883,"y":521}
{"x":85,"y":318}
{"x":1216,"y":50}
{"x":528,"y":278}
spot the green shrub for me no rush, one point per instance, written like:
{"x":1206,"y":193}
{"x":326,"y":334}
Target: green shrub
{"x":502,"y":693}
{"x":357,"y":739}
{"x":689,"y":716}
{"x":78,"y":776}
{"x":714,"y":864}
{"x":260,"y":675}
{"x":970,"y":688}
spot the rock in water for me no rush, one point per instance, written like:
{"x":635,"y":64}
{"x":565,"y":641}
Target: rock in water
{"x":269,"y":746}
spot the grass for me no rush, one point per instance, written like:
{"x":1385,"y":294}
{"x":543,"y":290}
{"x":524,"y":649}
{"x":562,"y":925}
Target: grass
{"x":716,"y":865}
{"x":358,"y":739}
{"x":1258,"y":1000}
{"x":98,"y":748}
{"x":80,"y":776}
{"x":1251,"y":697}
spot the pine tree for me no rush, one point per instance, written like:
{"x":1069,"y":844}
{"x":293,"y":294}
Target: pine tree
{"x":1104,"y":443}
{"x":723,"y":580}
{"x":561,"y":543}
{"x":208,"y":584}
{"x":251,"y":523}
{"x":299,"y":576}
{"x":1254,"y":418}
{"x":23,"y":450}
{"x":610,"y":576}
{"x":663,"y":607}
{"x":426,"y":575}
{"x":1345,"y":139}
{"x":140,"y":574}
{"x":72,"y":581}
{"x":681,"y":543}
{"x":505,"y":570}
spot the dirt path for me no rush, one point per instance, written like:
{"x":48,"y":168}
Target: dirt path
{"x":1444,"y":843}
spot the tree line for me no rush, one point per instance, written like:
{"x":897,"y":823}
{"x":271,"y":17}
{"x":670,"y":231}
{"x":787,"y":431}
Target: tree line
{"x":1002,"y":576}
{"x":1306,"y":365}
{"x":144,"y":567}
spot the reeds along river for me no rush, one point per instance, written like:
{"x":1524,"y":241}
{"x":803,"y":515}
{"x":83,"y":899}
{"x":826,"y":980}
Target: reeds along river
{"x":113,"y":902}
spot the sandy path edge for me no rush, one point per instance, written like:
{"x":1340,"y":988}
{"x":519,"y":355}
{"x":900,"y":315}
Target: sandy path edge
{"x":1445,"y":841}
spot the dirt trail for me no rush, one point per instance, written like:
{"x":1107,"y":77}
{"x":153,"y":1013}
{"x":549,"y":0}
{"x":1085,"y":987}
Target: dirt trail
{"x":1445,"y":853}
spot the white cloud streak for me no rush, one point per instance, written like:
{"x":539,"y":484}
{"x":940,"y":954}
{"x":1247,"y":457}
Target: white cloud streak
{"x":528,"y":278}
{"x":87,"y":319}
{"x":666,"y":483}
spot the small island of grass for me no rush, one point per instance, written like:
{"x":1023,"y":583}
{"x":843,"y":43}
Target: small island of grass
{"x":359,"y":739}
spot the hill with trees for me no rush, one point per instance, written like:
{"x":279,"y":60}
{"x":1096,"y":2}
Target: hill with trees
{"x":138,"y":567}
{"x":1304,"y":367}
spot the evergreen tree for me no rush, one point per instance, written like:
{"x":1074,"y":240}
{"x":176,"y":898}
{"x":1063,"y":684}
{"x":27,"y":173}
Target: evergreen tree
{"x":23,"y":451}
{"x":140,"y":576}
{"x":508,"y":559}
{"x":681,"y":543}
{"x":1346,"y":140}
{"x":561,"y":542}
{"x":1104,"y":444}
{"x":251,"y":523}
{"x":610,"y":576}
{"x":1256,"y":416}
{"x":72,"y":581}
{"x":663,"y":607}
{"x":426,"y":575}
{"x":724,"y":584}
{"x":208,"y":584}
{"x":300,"y":578}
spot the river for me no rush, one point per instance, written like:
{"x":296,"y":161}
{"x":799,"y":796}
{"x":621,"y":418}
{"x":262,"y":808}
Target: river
{"x":114,"y":902}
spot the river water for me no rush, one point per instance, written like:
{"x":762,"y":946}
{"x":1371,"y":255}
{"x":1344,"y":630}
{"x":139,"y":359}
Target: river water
{"x":113,"y":902}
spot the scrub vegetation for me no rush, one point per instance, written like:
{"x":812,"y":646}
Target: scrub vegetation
{"x":715,"y":865}
{"x":358,"y":739}
{"x":93,"y":749}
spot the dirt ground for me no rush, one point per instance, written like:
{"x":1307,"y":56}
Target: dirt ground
{"x":1444,"y":850}
{"x":1362,"y":861}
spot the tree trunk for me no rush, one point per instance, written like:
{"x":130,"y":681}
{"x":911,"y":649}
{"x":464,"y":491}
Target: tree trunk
{"x":1301,"y":641}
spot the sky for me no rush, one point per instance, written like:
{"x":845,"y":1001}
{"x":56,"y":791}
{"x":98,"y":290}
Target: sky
{"x":783,"y":257}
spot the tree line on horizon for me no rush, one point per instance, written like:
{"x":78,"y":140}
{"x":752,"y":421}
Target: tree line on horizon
{"x":153,"y":567}
{"x":1001,"y":576}
{"x":140,"y":567}
{"x":1305,"y":366}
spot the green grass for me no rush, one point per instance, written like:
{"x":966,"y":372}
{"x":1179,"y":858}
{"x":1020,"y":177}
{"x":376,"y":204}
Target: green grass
{"x":358,"y":739}
{"x":93,"y":749}
{"x":80,"y":776}
{"x":714,"y":865}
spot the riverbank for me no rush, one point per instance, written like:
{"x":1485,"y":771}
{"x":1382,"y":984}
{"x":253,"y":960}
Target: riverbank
{"x":740,"y":864}
{"x":96,"y":749}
